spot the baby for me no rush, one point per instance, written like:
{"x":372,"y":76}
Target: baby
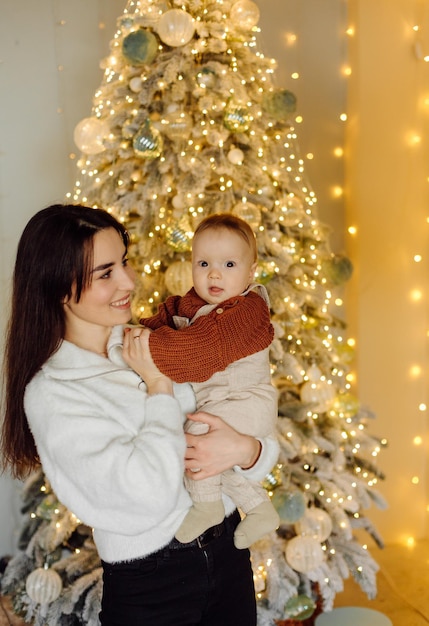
{"x":217,"y":337}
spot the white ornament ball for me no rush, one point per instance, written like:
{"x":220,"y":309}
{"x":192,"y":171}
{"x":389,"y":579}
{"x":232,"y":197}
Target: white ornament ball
{"x":135,"y":84}
{"x":43,"y":585}
{"x":178,"y":202}
{"x":321,"y":395}
{"x":236,"y":156}
{"x":248,"y":212}
{"x":245,"y":14}
{"x":177,"y":124}
{"x":315,"y":523}
{"x":304,"y":554}
{"x":176,"y":27}
{"x":178,"y":277}
{"x":292,"y":210}
{"x":89,"y":135}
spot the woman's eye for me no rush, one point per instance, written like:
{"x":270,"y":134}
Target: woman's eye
{"x":125,"y":261}
{"x":106,"y":274}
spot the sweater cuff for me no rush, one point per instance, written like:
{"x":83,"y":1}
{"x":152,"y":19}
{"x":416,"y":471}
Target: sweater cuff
{"x":267,"y":459}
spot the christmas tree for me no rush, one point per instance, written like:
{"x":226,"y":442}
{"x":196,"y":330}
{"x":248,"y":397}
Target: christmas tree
{"x":188,"y":121}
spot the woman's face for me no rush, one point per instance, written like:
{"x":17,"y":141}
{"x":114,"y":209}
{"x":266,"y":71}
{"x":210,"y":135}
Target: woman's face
{"x":106,"y":301}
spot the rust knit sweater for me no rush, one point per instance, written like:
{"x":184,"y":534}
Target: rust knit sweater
{"x":233,"y":330}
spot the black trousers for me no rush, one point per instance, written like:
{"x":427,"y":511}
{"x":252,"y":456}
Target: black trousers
{"x":205,"y":583}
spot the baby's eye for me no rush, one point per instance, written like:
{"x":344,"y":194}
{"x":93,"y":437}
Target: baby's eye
{"x":230,"y":264}
{"x":203,"y":263}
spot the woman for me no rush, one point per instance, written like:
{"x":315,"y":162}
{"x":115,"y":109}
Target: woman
{"x":84,"y":399}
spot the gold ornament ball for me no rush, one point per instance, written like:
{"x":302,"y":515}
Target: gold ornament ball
{"x":147,"y":142}
{"x":346,"y":353}
{"x":178,"y":277}
{"x":346,"y":405}
{"x":43,"y":585}
{"x":236,"y":117}
{"x":273,"y":479}
{"x":179,"y":235}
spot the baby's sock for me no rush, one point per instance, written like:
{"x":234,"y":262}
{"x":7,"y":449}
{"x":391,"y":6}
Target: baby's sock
{"x":201,"y":516}
{"x":258,"y":522}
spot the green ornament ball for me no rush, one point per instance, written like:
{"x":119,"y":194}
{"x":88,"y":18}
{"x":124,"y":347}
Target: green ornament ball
{"x":140,"y":47}
{"x":280,"y":104}
{"x":206,"y":78}
{"x":265,"y":271}
{"x":299,"y":608}
{"x":290,"y":505}
{"x":338,"y":269}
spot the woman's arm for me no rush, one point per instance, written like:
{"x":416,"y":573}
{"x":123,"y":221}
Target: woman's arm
{"x":223,"y":447}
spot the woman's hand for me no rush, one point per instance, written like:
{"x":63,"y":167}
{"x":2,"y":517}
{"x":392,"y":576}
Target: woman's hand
{"x":136,"y":354}
{"x":219,"y":449}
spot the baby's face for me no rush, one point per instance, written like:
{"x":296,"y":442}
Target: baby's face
{"x":222,"y":265}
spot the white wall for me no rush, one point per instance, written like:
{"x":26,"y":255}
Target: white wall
{"x":35,"y":136}
{"x":40,"y":105}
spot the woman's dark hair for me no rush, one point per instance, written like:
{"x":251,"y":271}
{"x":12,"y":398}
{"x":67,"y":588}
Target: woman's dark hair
{"x":53,"y":261}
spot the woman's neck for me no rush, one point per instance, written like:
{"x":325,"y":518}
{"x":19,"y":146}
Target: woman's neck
{"x":95,"y":340}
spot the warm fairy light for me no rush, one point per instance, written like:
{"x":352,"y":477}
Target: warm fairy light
{"x":338,"y":152}
{"x":352,"y":230}
{"x":410,"y":542}
{"x":290,"y":39}
{"x":422,"y":407}
{"x":415,"y":480}
{"x":418,"y":440}
{"x":414,"y":139}
{"x":415,"y":371}
{"x":418,"y":258}
{"x":343,"y":117}
{"x":416,"y":295}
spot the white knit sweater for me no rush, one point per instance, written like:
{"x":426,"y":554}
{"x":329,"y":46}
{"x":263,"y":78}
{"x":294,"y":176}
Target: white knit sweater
{"x":113,"y":454}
